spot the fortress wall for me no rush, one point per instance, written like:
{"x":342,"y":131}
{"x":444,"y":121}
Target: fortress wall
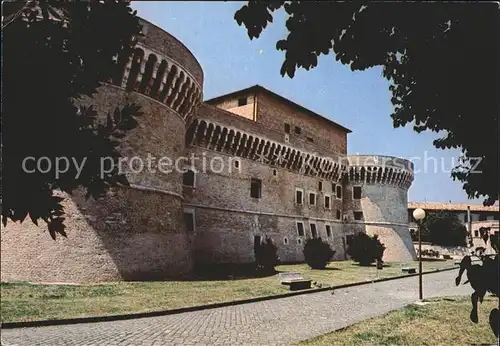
{"x":133,"y":233}
{"x":228,"y":218}
{"x":121,"y":237}
{"x":383,"y":203}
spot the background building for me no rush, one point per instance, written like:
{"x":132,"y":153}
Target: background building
{"x":473,"y":217}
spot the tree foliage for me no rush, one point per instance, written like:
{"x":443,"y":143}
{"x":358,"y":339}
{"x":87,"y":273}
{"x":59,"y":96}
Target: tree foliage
{"x":365,"y":249}
{"x":53,"y":53}
{"x":441,"y":60}
{"x":444,"y":229}
{"x":266,"y":257}
{"x":317,"y":253}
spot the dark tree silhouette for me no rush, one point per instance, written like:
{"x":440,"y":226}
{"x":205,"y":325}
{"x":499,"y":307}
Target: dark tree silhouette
{"x":266,"y":257}
{"x":440,"y":58}
{"x":444,"y":229}
{"x":317,"y":253}
{"x":53,"y":53}
{"x":365,"y":249}
{"x":484,"y":278}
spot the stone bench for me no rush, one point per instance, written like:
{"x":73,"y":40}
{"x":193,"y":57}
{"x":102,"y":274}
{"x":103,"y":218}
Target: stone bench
{"x":295,"y":281}
{"x":409,"y":270}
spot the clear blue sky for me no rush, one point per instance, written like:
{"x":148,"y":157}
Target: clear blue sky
{"x":359,"y":101}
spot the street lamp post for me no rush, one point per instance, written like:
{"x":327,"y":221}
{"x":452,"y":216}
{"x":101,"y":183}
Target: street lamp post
{"x":419,"y":215}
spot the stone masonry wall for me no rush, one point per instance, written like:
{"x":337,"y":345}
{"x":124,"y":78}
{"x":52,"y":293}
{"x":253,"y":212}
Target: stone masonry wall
{"x":228,"y":218}
{"x":128,"y":235}
{"x":273,"y":114}
{"x":384,"y":209}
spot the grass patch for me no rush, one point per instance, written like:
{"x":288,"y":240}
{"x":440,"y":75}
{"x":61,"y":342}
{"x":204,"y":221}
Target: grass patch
{"x":444,"y":321}
{"x":28,"y":302}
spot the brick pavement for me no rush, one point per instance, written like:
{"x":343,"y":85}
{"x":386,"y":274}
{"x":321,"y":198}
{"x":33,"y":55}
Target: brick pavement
{"x":274,"y":322}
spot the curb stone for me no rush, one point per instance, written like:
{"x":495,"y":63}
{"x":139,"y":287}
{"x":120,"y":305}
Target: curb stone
{"x":109,"y":318}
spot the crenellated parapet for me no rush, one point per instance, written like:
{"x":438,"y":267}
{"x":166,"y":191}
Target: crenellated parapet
{"x":233,"y":141}
{"x":388,"y":170}
{"x":156,"y":72}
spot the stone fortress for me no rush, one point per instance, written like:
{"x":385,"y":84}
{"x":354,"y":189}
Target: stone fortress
{"x":284,"y":173}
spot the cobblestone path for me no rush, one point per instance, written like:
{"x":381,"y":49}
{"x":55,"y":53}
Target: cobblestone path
{"x":273,"y":322}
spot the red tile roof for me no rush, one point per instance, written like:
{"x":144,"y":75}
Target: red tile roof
{"x":451,"y":206}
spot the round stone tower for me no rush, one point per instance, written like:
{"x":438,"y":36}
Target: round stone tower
{"x":376,"y":202}
{"x":137,"y":232}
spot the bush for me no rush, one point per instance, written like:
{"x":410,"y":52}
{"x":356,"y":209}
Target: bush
{"x":317,"y":253}
{"x":429,"y":253}
{"x":365,"y":249}
{"x":266,"y":257}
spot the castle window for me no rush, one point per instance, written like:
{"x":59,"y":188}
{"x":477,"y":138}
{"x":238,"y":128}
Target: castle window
{"x":312,"y":198}
{"x":298,"y":130}
{"x":356,"y":192}
{"x":299,"y":241}
{"x":327,"y":202}
{"x":275,"y":172}
{"x":189,"y":219}
{"x":476,"y":233}
{"x":299,"y":196}
{"x":314,"y":232}
{"x":339,"y":215}
{"x":358,"y":215}
{"x":188,"y":178}
{"x":300,"y":228}
{"x":328,"y":231}
{"x":333,"y":187}
{"x":339,"y":191}
{"x":320,"y":185}
{"x":236,"y":163}
{"x":255,"y":188}
{"x":310,"y":139}
{"x":285,"y":241}
{"x":242,"y":101}
{"x":287,"y":128}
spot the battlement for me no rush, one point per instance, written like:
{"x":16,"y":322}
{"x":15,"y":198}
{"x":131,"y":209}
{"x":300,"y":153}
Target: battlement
{"x":171,"y":76}
{"x":390,"y":170}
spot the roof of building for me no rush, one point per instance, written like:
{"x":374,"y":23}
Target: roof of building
{"x":259,"y":88}
{"x":451,"y":206}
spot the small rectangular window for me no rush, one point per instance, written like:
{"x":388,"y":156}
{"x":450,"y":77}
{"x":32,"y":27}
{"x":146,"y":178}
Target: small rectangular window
{"x":356,"y":192}
{"x":312,"y":198}
{"x":328,"y":231}
{"x":189,"y":221}
{"x":287,"y":128}
{"x":476,"y":233}
{"x":358,"y":215}
{"x":255,"y":188}
{"x":339,"y":214}
{"x":242,"y":101}
{"x":314,"y":232}
{"x":333,"y":187}
{"x":299,"y":197}
{"x":188,"y":178}
{"x":327,"y":202}
{"x":320,"y":185}
{"x":339,"y":191}
{"x":300,"y":229}
{"x":297,"y":130}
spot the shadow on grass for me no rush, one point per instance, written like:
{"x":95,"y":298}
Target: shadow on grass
{"x":218,"y":272}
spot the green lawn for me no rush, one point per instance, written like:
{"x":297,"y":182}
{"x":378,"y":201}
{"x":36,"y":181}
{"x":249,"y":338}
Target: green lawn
{"x":443,"y":321}
{"x":27,"y":302}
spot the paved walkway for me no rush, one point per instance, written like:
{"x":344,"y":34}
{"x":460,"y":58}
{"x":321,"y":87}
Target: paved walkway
{"x":273,"y":322}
